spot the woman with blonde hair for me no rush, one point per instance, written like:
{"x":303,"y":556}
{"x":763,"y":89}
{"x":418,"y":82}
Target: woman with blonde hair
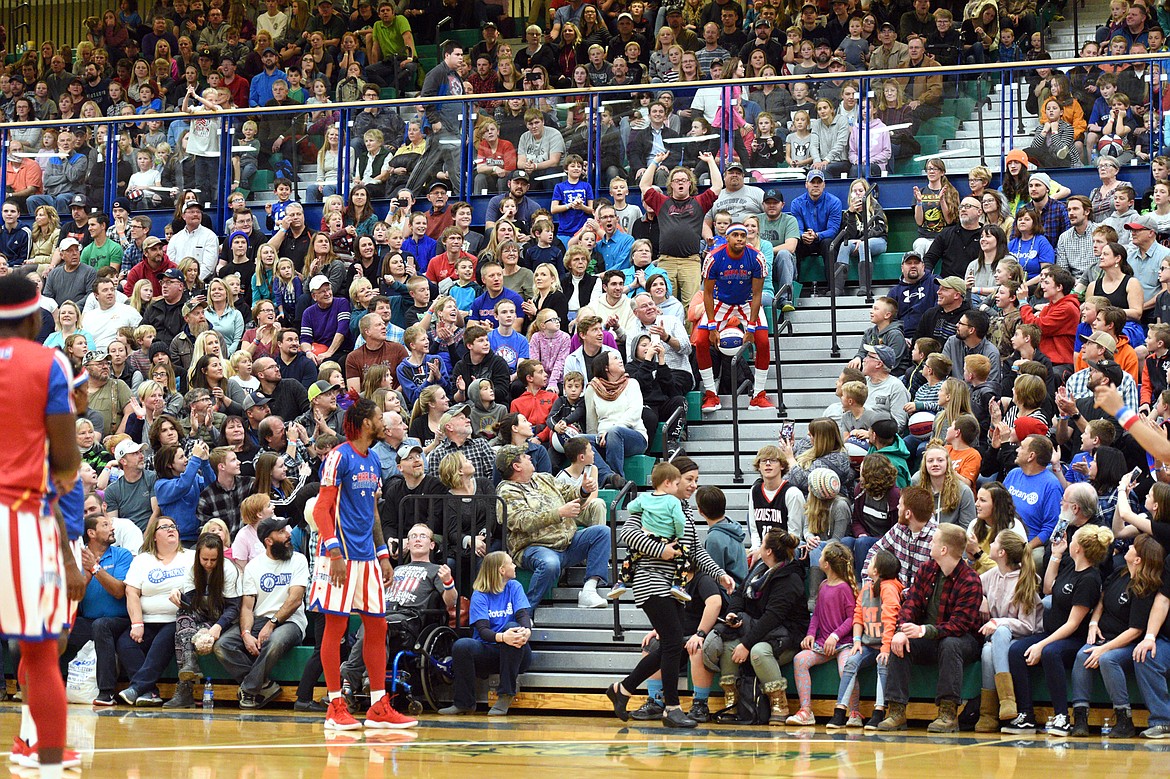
{"x":222,"y":315}
{"x":68,"y":317}
{"x":207,"y":342}
{"x":953,"y":501}
{"x":189,"y":267}
{"x":822,"y":448}
{"x":432,"y":403}
{"x":376,"y":377}
{"x":468,"y":524}
{"x":546,"y":293}
{"x":46,"y":234}
{"x":501,"y":628}
{"x":954,"y":400}
{"x":1073,"y":580}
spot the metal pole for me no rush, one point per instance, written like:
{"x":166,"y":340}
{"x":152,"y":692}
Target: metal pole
{"x":780,"y":410}
{"x":4,"y":159}
{"x":344,"y":135}
{"x":111,"y":184}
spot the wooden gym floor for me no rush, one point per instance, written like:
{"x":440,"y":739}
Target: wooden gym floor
{"x":227,"y":744}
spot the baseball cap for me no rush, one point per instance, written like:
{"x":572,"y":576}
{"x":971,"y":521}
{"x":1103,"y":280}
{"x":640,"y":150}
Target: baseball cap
{"x":270,"y":525}
{"x":624,"y":15}
{"x":268,"y":50}
{"x":79,"y":201}
{"x":457,"y":410}
{"x":405,"y":450}
{"x":205,"y":52}
{"x":317,"y":282}
{"x":1104,"y":340}
{"x":154,"y":240}
{"x":1109,"y":369}
{"x":255,"y":398}
{"x":489,"y":24}
{"x":762,"y":22}
{"x":193,"y":304}
{"x":174,"y":274}
{"x":883,"y":353}
{"x":125,"y":448}
{"x":837,"y":61}
{"x":884,"y":26}
{"x":439,"y":185}
{"x":815,"y":174}
{"x":68,"y":243}
{"x":97,"y":355}
{"x":737,"y":228}
{"x":911,"y":255}
{"x":1142,"y":222}
{"x":508,"y":456}
{"x":16,"y":78}
{"x":809,"y":5}
{"x":321,"y":386}
{"x":734,"y":166}
{"x":192,"y":204}
{"x":773,"y":194}
{"x":955,"y":283}
{"x":519,"y":174}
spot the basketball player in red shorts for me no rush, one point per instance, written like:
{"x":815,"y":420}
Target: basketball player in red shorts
{"x":38,"y":575}
{"x":352,"y":564}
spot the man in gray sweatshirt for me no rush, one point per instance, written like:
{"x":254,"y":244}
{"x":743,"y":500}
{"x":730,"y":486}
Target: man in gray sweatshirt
{"x":887,"y":395}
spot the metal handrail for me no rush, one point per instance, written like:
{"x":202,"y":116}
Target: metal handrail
{"x":746,"y":384}
{"x":779,"y":322}
{"x":669,"y":441}
{"x":627,"y":489}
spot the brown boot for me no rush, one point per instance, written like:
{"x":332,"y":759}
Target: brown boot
{"x":779,"y":700}
{"x":947,"y":720}
{"x":1006,"y":691}
{"x":988,"y":711}
{"x":895,"y":717}
{"x":728,"y":686}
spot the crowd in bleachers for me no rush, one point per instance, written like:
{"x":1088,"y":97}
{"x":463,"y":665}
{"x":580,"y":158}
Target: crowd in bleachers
{"x":532,"y":357}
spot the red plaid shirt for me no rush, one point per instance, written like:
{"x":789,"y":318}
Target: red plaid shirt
{"x":958,"y":608}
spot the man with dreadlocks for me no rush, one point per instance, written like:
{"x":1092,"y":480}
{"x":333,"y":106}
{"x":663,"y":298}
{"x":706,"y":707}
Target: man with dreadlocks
{"x":352,"y":564}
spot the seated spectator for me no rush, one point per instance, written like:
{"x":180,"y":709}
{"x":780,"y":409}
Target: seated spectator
{"x":502,"y":619}
{"x":455,"y":427}
{"x":102,"y":611}
{"x":540,"y":149}
{"x":272,"y":615}
{"x":552,"y":525}
{"x":928,"y":634}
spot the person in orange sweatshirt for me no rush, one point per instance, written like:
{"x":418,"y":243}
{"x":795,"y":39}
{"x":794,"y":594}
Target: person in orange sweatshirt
{"x":874,"y":620}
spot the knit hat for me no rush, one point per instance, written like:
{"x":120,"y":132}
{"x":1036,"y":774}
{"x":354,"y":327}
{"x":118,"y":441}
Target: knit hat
{"x":824,"y":483}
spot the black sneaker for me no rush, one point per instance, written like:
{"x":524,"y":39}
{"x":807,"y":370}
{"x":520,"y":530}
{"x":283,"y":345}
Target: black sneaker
{"x":676,"y":718}
{"x":104,"y":699}
{"x":652,"y":709}
{"x":700,"y":712}
{"x":839,"y":720}
{"x":316,"y":706}
{"x":875,"y":719}
{"x":1022,"y":725}
{"x":1059,"y":725}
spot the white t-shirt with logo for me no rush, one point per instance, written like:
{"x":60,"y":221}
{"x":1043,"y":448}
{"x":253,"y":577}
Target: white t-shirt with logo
{"x":268,"y":580}
{"x":155,"y":579}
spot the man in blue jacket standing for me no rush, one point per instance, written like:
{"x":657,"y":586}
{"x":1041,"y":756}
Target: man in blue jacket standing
{"x":819,"y":216}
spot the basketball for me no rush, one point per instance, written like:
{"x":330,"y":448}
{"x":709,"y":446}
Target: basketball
{"x":731,"y":338}
{"x":921,"y":423}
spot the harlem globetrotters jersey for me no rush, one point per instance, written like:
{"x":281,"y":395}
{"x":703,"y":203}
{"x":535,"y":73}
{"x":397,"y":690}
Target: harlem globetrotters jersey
{"x":357,"y":479}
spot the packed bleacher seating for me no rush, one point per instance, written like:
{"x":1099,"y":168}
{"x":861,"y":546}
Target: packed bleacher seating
{"x":534,"y":294}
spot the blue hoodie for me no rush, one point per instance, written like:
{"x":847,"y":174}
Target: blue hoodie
{"x":724,"y":543}
{"x":915,"y":299}
{"x":822,"y":214}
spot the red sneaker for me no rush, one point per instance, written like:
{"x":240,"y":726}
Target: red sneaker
{"x":383,"y":715}
{"x":761,"y":401}
{"x":24,"y":755}
{"x":711,"y":402}
{"x":339,"y":718}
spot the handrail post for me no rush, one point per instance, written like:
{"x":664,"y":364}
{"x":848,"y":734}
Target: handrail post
{"x":110,"y":189}
{"x":745,"y":385}
{"x":4,"y":159}
{"x":344,"y":136}
{"x":611,"y":517}
{"x":778,"y":326}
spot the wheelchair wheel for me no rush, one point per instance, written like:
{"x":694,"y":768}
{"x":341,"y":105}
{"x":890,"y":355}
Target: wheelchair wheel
{"x":435,"y":670}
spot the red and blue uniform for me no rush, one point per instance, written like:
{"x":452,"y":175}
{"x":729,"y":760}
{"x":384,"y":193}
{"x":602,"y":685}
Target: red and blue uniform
{"x":33,"y":599}
{"x":733,"y":277}
{"x":356,"y":478}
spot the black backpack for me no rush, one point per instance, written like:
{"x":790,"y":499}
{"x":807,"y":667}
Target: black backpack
{"x":752,"y":706}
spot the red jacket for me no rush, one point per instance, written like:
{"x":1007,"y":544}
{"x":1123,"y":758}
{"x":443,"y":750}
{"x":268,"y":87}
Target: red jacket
{"x":1058,"y":327}
{"x":143,"y":271}
{"x":535,"y":409}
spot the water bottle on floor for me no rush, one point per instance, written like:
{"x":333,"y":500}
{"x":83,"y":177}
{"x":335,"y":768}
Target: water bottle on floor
{"x":208,"y":695}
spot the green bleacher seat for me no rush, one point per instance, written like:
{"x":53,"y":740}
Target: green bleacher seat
{"x":638,"y":469}
{"x":466,"y":38}
{"x":694,"y":406}
{"x":930,"y":144}
{"x":262,"y":181}
{"x":388,"y":93}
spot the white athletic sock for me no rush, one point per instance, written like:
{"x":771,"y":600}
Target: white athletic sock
{"x":28,"y":728}
{"x":334,"y":695}
{"x":51,"y":772}
{"x":707,"y":376}
{"x":761,"y":379}
{"x":376,"y":695}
